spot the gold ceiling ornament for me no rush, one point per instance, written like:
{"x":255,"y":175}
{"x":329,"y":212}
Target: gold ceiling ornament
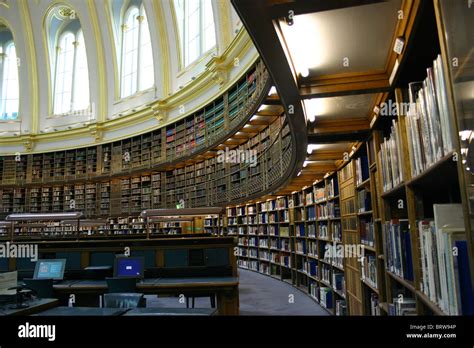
{"x":97,"y":132}
{"x":160,"y":112}
{"x":28,"y":143}
{"x":218,"y":70}
{"x":65,"y":12}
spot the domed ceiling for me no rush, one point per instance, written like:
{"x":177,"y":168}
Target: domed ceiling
{"x":93,"y":71}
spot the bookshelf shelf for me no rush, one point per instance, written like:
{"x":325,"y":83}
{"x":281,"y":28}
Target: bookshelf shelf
{"x":408,"y":285}
{"x":436,"y":173}
{"x":396,"y":192}
{"x":432,"y":306}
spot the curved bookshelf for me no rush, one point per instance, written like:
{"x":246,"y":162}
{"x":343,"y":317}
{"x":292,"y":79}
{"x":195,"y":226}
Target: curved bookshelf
{"x":169,"y":145}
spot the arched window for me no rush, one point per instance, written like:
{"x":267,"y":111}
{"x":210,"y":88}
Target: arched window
{"x":9,"y":86}
{"x":137,"y":70}
{"x":196,"y":28}
{"x":71,"y":83}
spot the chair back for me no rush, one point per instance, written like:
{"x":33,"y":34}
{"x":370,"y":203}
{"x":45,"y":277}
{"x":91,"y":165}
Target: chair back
{"x":42,"y":287}
{"x":124,"y":300}
{"x":121,"y":285}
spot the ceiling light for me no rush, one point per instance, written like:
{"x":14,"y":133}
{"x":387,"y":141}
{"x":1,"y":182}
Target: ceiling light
{"x":260,"y":108}
{"x":314,"y":107}
{"x":305,"y":163}
{"x":272,"y":91}
{"x":304,"y":72}
{"x":299,"y":173}
{"x":301,"y":55}
{"x":312,"y":147}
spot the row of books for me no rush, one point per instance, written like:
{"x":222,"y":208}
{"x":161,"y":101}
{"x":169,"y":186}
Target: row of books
{"x":390,"y":157}
{"x":362,"y":169}
{"x":444,"y":260}
{"x":369,"y":270}
{"x":430,"y":132}
{"x":398,"y":248}
{"x":364,"y":201}
{"x":367,"y":233}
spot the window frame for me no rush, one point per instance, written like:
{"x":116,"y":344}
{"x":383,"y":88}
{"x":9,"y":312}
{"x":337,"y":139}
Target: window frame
{"x":3,"y":74}
{"x":75,"y":43}
{"x":184,"y":33}
{"x":139,"y":61}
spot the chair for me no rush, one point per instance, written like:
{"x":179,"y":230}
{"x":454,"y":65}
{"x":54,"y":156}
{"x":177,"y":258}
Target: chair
{"x":123,"y":300}
{"x":42,"y":287}
{"x":121,"y":285}
{"x":211,"y":296}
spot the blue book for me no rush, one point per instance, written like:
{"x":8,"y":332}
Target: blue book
{"x":408,"y":269}
{"x":461,"y":263}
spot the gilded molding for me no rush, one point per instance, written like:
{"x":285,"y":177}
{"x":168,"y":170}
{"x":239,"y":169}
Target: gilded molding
{"x":32,"y":66}
{"x":224,"y":21}
{"x":102,"y":114}
{"x":29,"y":143}
{"x":165,"y":71}
{"x":160,"y":112}
{"x":219,"y":71}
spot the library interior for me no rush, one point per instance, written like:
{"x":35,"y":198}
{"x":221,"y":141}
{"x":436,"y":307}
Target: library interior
{"x":236,"y":158}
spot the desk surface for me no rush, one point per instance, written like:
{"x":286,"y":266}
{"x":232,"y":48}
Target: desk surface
{"x":171,"y":311}
{"x":34,"y":306}
{"x":82,"y":311}
{"x":153,"y":282}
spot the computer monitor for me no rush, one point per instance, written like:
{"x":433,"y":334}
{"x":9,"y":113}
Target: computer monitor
{"x":128,"y":267}
{"x":50,"y":269}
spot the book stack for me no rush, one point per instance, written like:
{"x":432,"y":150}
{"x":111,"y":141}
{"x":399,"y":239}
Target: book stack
{"x":338,"y":281}
{"x":374,"y":304}
{"x":319,"y":195}
{"x":341,"y":307}
{"x":362,"y":170}
{"x":333,"y":189}
{"x":336,"y":231}
{"x":369,"y":270}
{"x":445,"y":270}
{"x":367,"y":233}
{"x":390,"y":157}
{"x":311,"y":268}
{"x":333,"y":210}
{"x":402,"y":306}
{"x":364,"y":201}
{"x":430,"y":132}
{"x":398,"y":248}
{"x":325,"y":294}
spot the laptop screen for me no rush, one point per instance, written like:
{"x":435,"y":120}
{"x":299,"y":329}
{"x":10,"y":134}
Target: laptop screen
{"x":128,"y":267}
{"x":50,"y":269}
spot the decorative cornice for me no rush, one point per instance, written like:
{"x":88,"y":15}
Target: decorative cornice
{"x":160,"y":112}
{"x":219,"y":71}
{"x":29,"y":143}
{"x":97,"y":132}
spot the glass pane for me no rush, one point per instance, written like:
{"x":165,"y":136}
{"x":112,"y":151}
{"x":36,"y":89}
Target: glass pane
{"x":9,"y":102}
{"x":147,"y":78}
{"x":456,"y":16}
{"x":130,"y":53}
{"x":81,"y":88}
{"x":64,"y":70}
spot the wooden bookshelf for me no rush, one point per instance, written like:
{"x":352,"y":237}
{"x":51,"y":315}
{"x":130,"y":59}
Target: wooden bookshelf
{"x":197,"y":132}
